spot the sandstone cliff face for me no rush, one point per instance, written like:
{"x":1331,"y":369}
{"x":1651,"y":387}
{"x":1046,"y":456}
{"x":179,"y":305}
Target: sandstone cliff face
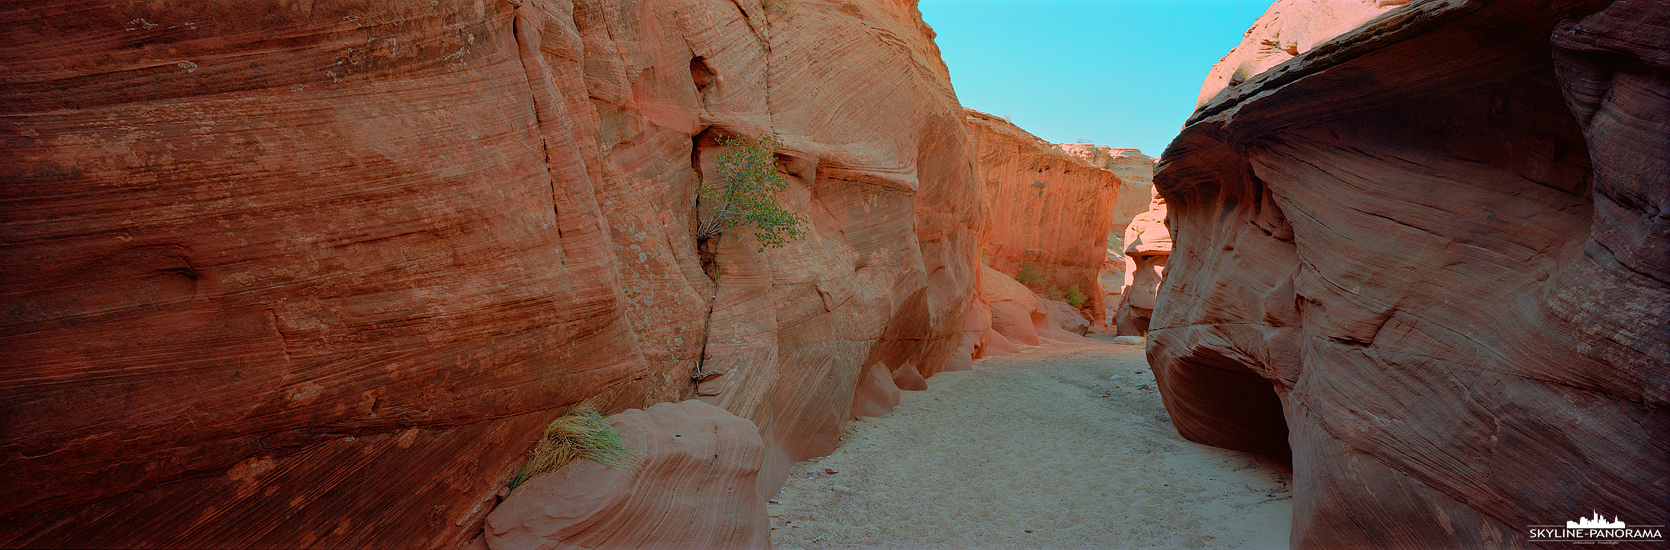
{"x":291,"y":275}
{"x":1445,"y":285}
{"x":1049,"y":210}
{"x":1289,"y":28}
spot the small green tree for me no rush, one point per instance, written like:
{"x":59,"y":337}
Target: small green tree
{"x":746,"y":194}
{"x":1029,"y":273}
{"x":1075,"y":297}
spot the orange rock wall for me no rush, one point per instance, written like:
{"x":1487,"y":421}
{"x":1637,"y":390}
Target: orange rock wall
{"x":1047,"y":207}
{"x":1443,"y":288}
{"x":318,"y":274}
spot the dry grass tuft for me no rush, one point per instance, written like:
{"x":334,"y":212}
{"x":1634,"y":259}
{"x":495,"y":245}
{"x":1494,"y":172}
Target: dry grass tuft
{"x":581,"y":433}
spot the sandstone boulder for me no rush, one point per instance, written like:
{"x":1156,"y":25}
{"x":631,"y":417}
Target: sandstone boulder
{"x":1443,"y":287}
{"x":1064,"y":316}
{"x":695,"y":485}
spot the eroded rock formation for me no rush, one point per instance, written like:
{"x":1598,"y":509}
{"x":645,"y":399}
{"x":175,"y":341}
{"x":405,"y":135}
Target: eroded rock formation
{"x":1432,"y":256}
{"x":1147,"y":249}
{"x":292,"y":275}
{"x":1289,"y":28}
{"x":1049,"y":210}
{"x":695,"y":485}
{"x":1136,"y":185}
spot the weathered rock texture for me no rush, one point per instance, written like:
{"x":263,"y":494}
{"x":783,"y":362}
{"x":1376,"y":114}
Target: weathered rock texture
{"x":1136,"y":185}
{"x":1134,"y":170}
{"x":694,"y":486}
{"x":1289,"y":28}
{"x":316,"y":274}
{"x":1435,"y":249}
{"x":1147,"y":249}
{"x":1049,"y":210}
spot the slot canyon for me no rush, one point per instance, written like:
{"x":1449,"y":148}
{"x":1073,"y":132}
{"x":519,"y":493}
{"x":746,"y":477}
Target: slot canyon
{"x":337,"y":273}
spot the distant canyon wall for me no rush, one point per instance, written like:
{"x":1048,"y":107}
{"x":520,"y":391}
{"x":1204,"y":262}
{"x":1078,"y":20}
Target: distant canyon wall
{"x":1428,"y":259}
{"x":317,"y":274}
{"x":1050,"y":211}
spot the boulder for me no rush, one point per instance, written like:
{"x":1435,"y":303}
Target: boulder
{"x":1428,"y":259}
{"x":695,"y":485}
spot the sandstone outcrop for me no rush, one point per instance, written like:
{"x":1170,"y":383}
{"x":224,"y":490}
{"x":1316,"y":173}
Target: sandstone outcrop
{"x":1050,"y":211}
{"x":695,"y":485}
{"x":1147,"y":249}
{"x":1289,"y":28}
{"x":1428,"y":258}
{"x":1136,"y":185}
{"x":1021,"y":318}
{"x":294,"y":275}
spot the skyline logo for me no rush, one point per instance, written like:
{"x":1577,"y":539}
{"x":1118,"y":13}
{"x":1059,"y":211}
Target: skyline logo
{"x":1598,"y":522}
{"x":1596,"y":530}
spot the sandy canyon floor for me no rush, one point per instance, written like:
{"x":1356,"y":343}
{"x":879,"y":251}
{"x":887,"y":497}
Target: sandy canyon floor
{"x":1063,"y":446}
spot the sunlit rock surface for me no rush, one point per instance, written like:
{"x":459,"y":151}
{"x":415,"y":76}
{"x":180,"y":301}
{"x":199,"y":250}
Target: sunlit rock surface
{"x":317,"y":274}
{"x":1147,"y":248}
{"x":1050,"y":210}
{"x":1287,"y":29}
{"x":1136,"y":184}
{"x":1431,"y":255}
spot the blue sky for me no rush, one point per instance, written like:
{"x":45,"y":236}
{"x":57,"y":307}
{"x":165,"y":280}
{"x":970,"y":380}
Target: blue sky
{"x":1123,"y":73}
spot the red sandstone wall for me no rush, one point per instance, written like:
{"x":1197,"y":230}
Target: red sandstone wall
{"x":317,"y":274}
{"x":1047,"y":207}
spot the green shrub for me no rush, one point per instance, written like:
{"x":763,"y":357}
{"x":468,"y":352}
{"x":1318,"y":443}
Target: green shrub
{"x":1029,"y":274}
{"x":581,"y":433}
{"x":1075,"y":297}
{"x":1055,"y":293}
{"x":746,"y":194}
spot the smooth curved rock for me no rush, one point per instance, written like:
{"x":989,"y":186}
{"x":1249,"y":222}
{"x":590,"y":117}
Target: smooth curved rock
{"x":1287,"y":29}
{"x":1147,"y":249}
{"x":695,"y":486}
{"x":1449,"y":281}
{"x":1049,"y":210}
{"x":314,"y":274}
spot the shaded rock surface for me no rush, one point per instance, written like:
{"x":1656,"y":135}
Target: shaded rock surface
{"x":694,"y":486}
{"x":1446,"y":286}
{"x":1049,"y":210}
{"x":324,"y":286}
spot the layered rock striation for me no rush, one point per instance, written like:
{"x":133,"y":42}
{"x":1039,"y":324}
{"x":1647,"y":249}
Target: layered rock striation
{"x":1428,"y":260}
{"x":1136,"y":185}
{"x":693,"y":484}
{"x":1050,"y":211}
{"x":1287,"y":29}
{"x":289,"y":275}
